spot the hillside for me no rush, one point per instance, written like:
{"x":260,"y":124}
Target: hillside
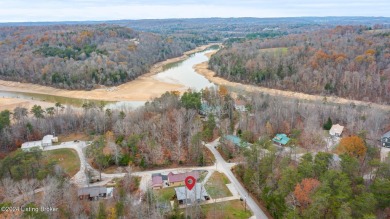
{"x":346,"y":61}
{"x":82,"y":56}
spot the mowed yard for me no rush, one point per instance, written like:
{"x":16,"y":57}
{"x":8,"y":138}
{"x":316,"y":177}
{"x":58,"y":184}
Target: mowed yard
{"x":65,"y":158}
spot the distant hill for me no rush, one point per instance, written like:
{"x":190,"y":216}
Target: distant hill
{"x":82,"y":56}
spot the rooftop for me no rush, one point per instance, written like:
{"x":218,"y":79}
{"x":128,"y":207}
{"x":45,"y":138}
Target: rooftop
{"x":92,"y":191}
{"x":198,"y":192}
{"x":386,"y":135}
{"x":336,"y":129}
{"x":31,"y":144}
{"x":157,"y":180}
{"x":182,"y":176}
{"x":281,"y":138}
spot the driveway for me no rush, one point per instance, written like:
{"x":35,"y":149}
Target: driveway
{"x":224,"y":167}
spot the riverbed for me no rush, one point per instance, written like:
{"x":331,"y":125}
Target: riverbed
{"x":175,"y":74}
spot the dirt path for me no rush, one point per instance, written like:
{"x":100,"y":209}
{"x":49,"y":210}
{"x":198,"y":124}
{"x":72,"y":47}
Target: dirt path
{"x":143,"y":88}
{"x":202,"y":69}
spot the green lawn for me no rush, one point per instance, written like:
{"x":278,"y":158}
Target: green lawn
{"x":231,"y":209}
{"x":66,"y":158}
{"x":276,"y":51}
{"x":216,"y":186}
{"x":164,"y":195}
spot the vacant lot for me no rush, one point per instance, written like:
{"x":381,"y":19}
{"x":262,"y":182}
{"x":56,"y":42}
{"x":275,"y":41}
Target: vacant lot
{"x":230,"y":209}
{"x":66,"y":158}
{"x":216,"y":186}
{"x":164,"y":195}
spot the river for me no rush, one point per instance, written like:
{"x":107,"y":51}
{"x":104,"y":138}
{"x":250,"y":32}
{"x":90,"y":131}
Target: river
{"x":181,"y":73}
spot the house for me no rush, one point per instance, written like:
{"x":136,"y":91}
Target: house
{"x":206,"y":109}
{"x":45,"y":142}
{"x":157,"y":182}
{"x":239,"y":105}
{"x":336,"y":130}
{"x":94,"y":192}
{"x":197,"y":194}
{"x":178,"y":179}
{"x":281,"y":139}
{"x":386,"y":140}
{"x":235,"y":140}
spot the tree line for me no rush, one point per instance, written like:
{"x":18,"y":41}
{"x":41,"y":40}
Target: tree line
{"x":346,"y":61}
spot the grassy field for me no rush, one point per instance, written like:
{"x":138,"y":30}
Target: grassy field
{"x":66,"y":158}
{"x":75,"y":136}
{"x":216,"y":186}
{"x":164,"y":195}
{"x":231,"y":209}
{"x":276,"y":51}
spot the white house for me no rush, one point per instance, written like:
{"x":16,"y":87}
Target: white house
{"x":336,"y":130}
{"x":46,"y":141}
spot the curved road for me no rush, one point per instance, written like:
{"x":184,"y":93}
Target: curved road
{"x":225,"y":167}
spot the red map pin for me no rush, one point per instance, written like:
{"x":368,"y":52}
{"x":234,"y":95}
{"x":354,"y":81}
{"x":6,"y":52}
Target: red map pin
{"x":190,"y":182}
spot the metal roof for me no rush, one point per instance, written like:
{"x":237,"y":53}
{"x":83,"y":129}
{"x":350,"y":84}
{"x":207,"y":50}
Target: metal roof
{"x":336,"y":129}
{"x":198,"y":192}
{"x":181,"y":176}
{"x":281,"y":138}
{"x":92,"y":191}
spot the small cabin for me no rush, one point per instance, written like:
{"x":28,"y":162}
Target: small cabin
{"x":386,"y":140}
{"x":336,"y":130}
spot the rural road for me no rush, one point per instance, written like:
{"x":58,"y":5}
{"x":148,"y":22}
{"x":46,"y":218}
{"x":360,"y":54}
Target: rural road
{"x":224,"y":167}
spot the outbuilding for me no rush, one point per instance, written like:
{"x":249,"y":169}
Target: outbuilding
{"x":336,"y":130}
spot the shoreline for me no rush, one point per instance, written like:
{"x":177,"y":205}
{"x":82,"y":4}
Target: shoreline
{"x":143,"y":88}
{"x":202,"y":69}
{"x":8,"y":103}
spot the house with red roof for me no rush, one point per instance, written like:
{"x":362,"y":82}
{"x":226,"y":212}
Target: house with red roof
{"x":179,"y":178}
{"x":157,"y":182}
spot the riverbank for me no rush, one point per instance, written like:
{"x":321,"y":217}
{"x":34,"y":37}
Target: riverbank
{"x":202,"y":68}
{"x":12,"y":103}
{"x":144,"y":88}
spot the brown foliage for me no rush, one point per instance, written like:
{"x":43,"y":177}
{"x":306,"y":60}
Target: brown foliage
{"x":304,"y":189}
{"x":353,"y":146}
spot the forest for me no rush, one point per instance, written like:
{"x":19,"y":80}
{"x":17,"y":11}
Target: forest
{"x":346,"y":61}
{"x":169,"y":131}
{"x":82,"y":56}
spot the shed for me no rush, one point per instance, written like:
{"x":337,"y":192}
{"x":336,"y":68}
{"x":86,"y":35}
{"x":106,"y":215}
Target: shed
{"x":336,"y":130}
{"x":281,"y":139}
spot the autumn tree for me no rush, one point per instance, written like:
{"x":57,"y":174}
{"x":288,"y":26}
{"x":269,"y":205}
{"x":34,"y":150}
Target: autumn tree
{"x":304,"y":189}
{"x":353,"y":146}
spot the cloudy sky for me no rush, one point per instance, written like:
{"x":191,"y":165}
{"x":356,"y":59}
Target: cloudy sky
{"x":81,"y":10}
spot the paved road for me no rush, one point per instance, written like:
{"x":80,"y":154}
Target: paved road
{"x":224,"y":167}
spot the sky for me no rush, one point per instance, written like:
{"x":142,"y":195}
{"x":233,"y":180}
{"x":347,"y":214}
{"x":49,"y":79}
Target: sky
{"x":83,"y":10}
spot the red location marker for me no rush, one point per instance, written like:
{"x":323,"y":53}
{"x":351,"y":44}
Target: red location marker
{"x":190,"y":182}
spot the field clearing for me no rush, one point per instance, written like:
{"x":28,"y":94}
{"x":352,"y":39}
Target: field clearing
{"x":275,"y":51}
{"x":66,"y":158}
{"x":230,"y":209}
{"x":216,"y":186}
{"x":164,"y":195}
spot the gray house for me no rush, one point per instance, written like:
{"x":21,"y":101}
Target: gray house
{"x":94,"y":192}
{"x":386,"y":140}
{"x":197,"y":194}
